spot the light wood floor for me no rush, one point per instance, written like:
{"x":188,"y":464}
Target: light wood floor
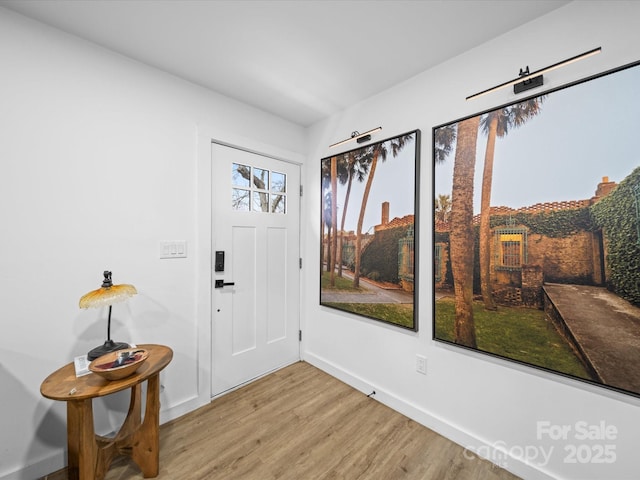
{"x":301,"y":424}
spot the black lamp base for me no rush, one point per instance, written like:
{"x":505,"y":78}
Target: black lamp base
{"x":107,"y":347}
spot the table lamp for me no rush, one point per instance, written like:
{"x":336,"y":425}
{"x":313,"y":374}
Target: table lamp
{"x":107,"y":294}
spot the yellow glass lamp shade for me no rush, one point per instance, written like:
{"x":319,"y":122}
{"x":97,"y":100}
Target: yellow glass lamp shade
{"x":107,"y":295}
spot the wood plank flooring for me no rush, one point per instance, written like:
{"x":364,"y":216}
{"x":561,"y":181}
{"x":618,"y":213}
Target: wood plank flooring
{"x":301,"y":424}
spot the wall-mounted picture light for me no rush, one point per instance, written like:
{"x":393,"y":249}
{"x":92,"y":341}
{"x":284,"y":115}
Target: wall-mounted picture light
{"x":358,"y":137}
{"x":527,"y":80}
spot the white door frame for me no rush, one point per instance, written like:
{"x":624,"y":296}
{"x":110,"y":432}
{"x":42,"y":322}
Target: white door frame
{"x":203,"y":249}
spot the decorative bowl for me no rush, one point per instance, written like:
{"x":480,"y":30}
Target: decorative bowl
{"x":119,"y":364}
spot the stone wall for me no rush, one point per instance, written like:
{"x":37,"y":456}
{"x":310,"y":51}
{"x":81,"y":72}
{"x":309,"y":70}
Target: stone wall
{"x":564,"y":260}
{"x":532,"y":281}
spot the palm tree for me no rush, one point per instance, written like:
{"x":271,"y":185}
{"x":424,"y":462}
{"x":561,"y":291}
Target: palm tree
{"x":334,"y":219}
{"x":325,"y":253}
{"x":442,"y":209}
{"x":461,"y":237}
{"x":379,"y":150}
{"x":352,"y":166}
{"x":496,"y":124}
{"x":370,"y":156}
{"x":443,"y":141}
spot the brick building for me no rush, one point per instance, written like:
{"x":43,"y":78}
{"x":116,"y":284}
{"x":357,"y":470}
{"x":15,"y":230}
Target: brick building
{"x":546,"y":242}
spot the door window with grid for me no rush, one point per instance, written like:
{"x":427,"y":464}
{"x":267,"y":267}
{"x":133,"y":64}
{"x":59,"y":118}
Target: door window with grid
{"x":258,"y":190}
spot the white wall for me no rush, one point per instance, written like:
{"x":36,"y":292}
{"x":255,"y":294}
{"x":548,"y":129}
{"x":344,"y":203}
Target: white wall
{"x":101,"y":158}
{"x":476,"y":400}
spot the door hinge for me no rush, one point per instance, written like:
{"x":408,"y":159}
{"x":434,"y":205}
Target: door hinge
{"x":299,"y":335}
{"x":300,"y":190}
{"x":300,"y":263}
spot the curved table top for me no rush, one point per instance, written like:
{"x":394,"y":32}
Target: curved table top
{"x":65,"y":386}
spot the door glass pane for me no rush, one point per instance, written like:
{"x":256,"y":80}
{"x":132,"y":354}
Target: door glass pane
{"x":278,"y":203}
{"x":278,"y":182}
{"x":261,"y":178}
{"x":240,"y":175}
{"x":260,"y":202}
{"x":258,"y":190}
{"x":240,"y":199}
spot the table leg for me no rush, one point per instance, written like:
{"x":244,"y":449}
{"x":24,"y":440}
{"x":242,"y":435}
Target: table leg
{"x":146,"y":439}
{"x":121,"y":444}
{"x":81,"y":442}
{"x":136,"y":439}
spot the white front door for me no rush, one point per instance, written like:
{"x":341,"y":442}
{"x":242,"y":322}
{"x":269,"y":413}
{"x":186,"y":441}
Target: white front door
{"x":256,"y":278}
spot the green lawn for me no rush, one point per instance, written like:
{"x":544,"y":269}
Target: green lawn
{"x":398,"y":313}
{"x":519,"y":333}
{"x":342,"y":284}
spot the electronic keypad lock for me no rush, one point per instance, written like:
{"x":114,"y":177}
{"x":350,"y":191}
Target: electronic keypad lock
{"x":219,"y":261}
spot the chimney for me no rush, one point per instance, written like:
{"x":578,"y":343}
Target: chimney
{"x":385,"y":213}
{"x":604,"y":188}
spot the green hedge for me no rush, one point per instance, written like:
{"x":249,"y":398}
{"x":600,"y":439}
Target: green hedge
{"x":616,"y":216}
{"x":379,"y":260}
{"x":558,"y":224}
{"x":443,"y":237}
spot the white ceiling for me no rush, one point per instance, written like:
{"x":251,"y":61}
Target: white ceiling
{"x":301,"y":60}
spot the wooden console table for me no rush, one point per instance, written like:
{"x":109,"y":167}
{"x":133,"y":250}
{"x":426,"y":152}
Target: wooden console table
{"x":89,"y":455}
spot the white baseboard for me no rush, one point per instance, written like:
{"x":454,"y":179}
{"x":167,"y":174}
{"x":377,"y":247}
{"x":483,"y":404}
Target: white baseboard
{"x":433,"y":422}
{"x":38,"y":469}
{"x":58,"y":459}
{"x":184,"y":407}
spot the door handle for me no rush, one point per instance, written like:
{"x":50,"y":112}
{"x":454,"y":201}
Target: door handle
{"x":222,"y":283}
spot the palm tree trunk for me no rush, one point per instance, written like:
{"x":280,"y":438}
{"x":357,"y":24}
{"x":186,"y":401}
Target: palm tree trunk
{"x":485,"y":218}
{"x":461,"y":238}
{"x":334,"y":218}
{"x":363,"y":207}
{"x":342,"y":222}
{"x":321,"y":247}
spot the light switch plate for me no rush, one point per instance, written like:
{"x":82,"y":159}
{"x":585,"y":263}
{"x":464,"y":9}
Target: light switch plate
{"x":173,"y":249}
